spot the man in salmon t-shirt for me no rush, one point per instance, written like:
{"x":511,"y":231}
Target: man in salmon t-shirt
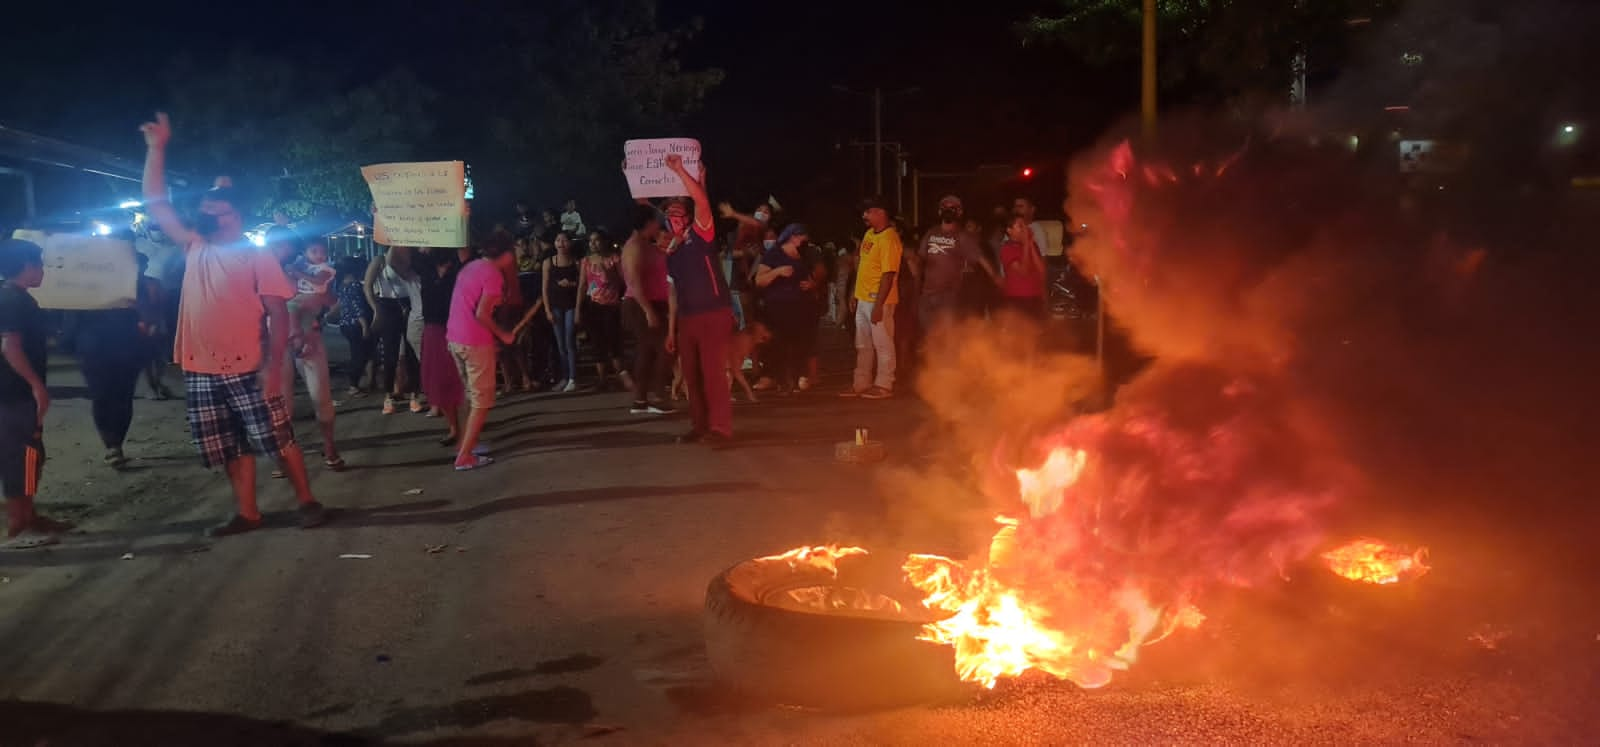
{"x":473,"y":335}
{"x":229,"y":287}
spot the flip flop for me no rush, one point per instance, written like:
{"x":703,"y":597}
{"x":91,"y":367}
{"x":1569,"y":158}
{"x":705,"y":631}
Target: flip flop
{"x":478,"y":462}
{"x":29,"y":539}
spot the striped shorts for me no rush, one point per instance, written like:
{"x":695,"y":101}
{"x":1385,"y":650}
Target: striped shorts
{"x":229,"y":417}
{"x":21,"y":449}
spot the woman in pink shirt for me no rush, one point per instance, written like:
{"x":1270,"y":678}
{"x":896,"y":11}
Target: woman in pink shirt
{"x":473,"y":333}
{"x":1023,"y":286}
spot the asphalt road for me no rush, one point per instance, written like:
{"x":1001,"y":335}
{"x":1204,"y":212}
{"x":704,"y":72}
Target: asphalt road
{"x":556,"y":597}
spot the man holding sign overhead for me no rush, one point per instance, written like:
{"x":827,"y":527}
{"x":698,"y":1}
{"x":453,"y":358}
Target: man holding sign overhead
{"x":702,"y":316}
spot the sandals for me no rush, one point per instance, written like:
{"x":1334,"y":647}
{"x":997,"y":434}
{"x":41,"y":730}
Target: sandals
{"x":312,"y":515}
{"x":478,"y":462}
{"x":236,"y":525}
{"x":29,"y":539}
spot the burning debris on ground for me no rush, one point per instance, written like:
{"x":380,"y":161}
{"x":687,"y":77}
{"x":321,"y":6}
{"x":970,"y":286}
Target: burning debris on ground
{"x":1277,"y":298}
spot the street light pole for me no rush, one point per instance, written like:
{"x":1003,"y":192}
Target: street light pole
{"x":877,"y":129}
{"x":916,"y":197}
{"x":877,"y":141}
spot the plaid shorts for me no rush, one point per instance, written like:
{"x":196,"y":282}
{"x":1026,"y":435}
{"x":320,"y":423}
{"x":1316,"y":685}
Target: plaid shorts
{"x":229,"y":411}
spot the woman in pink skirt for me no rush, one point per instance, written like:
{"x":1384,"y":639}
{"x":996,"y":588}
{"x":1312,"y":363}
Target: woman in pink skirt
{"x":440,"y":380}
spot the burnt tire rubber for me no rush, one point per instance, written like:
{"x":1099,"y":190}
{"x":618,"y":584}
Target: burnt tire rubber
{"x":816,"y":660}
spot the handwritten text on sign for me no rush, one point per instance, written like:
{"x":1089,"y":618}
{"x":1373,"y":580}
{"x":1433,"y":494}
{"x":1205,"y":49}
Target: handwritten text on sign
{"x":85,"y":272}
{"x":418,"y":204}
{"x":645,"y":165}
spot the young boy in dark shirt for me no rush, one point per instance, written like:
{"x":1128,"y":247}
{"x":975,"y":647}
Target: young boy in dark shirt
{"x":23,"y":398}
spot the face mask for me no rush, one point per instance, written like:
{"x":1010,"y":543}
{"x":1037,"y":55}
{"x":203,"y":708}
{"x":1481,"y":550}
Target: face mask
{"x":769,"y":243}
{"x":206,"y":224}
{"x":762,"y":216}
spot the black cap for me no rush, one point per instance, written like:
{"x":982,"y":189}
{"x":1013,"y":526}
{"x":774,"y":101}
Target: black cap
{"x":875,"y":202}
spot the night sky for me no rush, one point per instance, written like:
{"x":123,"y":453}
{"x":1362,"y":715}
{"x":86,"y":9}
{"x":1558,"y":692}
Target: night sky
{"x":773,"y":126}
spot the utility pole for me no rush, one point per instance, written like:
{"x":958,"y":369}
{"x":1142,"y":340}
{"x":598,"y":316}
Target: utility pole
{"x":878,"y":144}
{"x":1297,"y":70}
{"x":1147,"y":88}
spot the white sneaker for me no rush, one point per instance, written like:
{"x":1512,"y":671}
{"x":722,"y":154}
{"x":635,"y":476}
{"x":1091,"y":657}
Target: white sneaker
{"x":748,"y":365}
{"x":571,"y":386}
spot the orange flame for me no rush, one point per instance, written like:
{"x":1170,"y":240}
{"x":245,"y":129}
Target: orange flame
{"x":1081,"y":628}
{"x":1374,"y":561}
{"x":821,"y":557}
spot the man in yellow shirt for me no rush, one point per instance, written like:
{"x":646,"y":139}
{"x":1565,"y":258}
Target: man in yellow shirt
{"x":876,"y":294}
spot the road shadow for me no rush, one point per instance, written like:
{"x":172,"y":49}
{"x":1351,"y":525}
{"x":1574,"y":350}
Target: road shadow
{"x":71,"y":554}
{"x":385,"y":516}
{"x":561,"y":665}
{"x":554,"y":705}
{"x":28,"y":723}
{"x":387,"y":439}
{"x":629,"y":438}
{"x":57,"y":725}
{"x":555,"y":428}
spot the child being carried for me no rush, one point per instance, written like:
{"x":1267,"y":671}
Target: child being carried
{"x":313,"y":282}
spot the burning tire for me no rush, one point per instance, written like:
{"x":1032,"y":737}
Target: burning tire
{"x":791,"y":630}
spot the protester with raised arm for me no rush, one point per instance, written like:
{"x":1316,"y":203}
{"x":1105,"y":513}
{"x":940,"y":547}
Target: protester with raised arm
{"x":229,"y":287}
{"x":703,"y":318}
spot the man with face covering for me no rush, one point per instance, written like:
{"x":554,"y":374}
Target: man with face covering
{"x":945,"y":255}
{"x":701,"y":320}
{"x":229,"y":286}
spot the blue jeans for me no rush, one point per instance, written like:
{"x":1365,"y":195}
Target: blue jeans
{"x":566,"y":343}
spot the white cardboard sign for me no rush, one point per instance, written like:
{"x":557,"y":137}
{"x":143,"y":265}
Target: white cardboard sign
{"x":85,"y":273}
{"x":645,"y":165}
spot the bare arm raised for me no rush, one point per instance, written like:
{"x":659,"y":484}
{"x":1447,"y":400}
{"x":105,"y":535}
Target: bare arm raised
{"x":156,"y":136}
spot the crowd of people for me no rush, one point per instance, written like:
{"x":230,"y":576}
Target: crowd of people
{"x":444,"y":332}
